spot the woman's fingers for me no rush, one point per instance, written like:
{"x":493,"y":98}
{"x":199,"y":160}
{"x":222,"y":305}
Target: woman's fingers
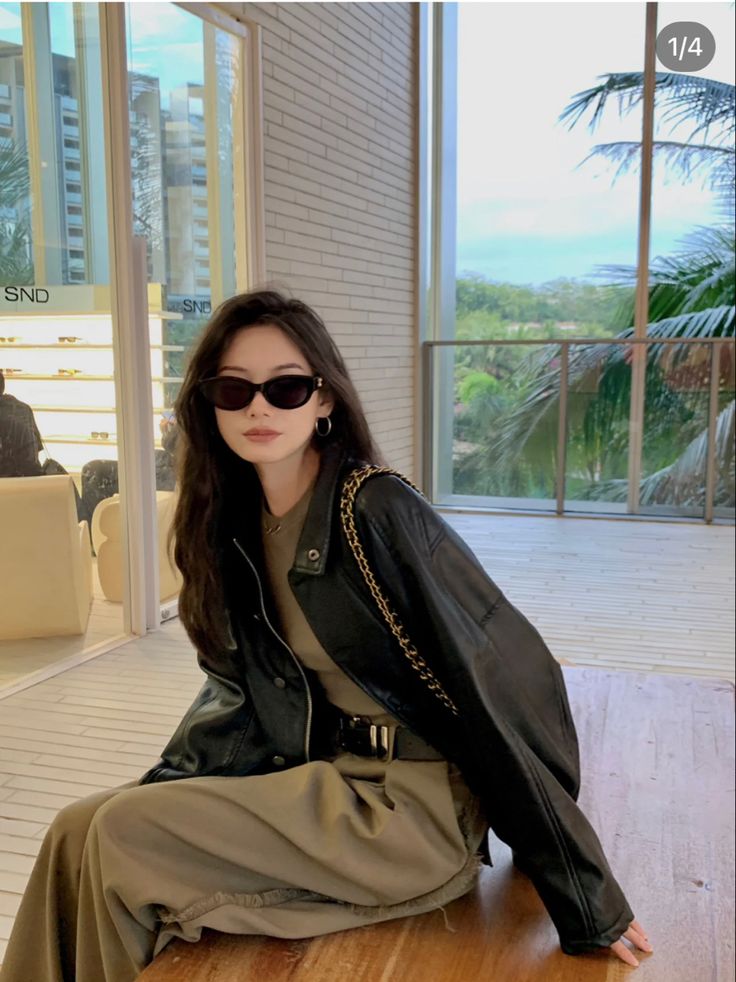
{"x":637,"y":927}
{"x":637,"y":935}
{"x":624,"y":953}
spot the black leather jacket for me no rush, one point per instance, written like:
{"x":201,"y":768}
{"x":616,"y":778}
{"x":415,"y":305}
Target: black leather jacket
{"x":513,"y":736}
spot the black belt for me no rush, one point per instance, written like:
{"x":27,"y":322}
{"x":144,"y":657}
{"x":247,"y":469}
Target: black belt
{"x":358,"y":735}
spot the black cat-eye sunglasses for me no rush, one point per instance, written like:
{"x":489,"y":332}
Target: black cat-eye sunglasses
{"x":284,"y":391}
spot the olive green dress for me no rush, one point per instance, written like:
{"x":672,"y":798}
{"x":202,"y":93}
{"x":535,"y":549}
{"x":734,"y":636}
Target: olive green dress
{"x":430,"y":786}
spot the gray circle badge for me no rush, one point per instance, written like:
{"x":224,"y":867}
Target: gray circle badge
{"x":685,"y":46}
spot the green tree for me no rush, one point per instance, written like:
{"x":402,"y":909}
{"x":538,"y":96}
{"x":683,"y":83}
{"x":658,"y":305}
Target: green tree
{"x":16,"y":265}
{"x":691,"y":295}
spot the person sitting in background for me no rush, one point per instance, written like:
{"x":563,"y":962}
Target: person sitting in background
{"x":20,"y":441}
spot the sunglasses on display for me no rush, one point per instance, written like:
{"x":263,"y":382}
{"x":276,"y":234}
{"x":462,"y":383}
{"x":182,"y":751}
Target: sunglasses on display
{"x":69,"y":371}
{"x":8,"y":340}
{"x":284,"y":392}
{"x":100,"y":435}
{"x":69,"y":340}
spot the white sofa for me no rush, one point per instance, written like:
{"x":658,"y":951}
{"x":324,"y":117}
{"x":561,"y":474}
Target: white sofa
{"x":45,"y":559}
{"x":106,"y":538}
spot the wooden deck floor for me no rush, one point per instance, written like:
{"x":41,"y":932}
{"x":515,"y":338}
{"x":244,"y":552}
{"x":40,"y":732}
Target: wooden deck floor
{"x":656,"y":755}
{"x":619,"y":594}
{"x":650,"y":597}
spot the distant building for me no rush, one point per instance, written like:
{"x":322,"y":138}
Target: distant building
{"x":169,"y":176}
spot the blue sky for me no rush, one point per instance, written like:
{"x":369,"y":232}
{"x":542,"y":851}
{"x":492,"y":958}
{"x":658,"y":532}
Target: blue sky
{"x":527,"y":213}
{"x":164,"y":40}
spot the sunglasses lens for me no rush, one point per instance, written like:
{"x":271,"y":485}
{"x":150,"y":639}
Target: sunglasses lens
{"x":227,"y":393}
{"x":289,"y":392}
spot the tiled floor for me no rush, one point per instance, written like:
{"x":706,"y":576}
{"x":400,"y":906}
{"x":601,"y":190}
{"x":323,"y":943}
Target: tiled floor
{"x":617,"y":594}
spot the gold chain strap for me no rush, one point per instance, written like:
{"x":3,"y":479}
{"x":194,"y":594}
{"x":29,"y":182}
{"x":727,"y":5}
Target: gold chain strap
{"x":347,"y":502}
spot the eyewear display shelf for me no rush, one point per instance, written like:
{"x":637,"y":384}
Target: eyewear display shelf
{"x":61,"y":363}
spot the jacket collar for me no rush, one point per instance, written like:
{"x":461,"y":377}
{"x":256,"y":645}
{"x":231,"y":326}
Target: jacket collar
{"x":314,"y":542}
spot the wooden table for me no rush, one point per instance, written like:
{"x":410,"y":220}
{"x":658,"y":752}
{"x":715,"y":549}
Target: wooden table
{"x":657,"y":762}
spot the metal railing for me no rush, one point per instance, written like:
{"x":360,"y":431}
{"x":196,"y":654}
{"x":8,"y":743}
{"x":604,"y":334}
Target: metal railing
{"x":429,"y":402}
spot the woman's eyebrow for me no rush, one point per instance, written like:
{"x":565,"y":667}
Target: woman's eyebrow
{"x":277,"y":368}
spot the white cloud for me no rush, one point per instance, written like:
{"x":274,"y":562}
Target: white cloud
{"x":10,"y":21}
{"x":520,"y":176}
{"x":162,"y":23}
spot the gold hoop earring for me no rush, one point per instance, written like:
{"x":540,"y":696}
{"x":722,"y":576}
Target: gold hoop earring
{"x":329,"y":426}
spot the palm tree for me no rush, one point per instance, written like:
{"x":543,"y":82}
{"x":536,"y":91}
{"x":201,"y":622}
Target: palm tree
{"x":16,"y":266}
{"x":691,"y":295}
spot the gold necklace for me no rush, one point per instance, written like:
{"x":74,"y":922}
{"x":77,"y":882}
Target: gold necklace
{"x":269,"y":529}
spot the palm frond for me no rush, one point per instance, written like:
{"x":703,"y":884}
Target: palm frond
{"x":589,"y":368}
{"x":14,"y":179}
{"x":683,"y":481}
{"x":714,"y":322}
{"x":706,"y":100}
{"x":700,"y":248}
{"x":715,"y":164}
{"x":692,"y":295}
{"x":719,"y":283}
{"x":699,"y":274}
{"x":627,"y":86}
{"x":16,"y":266}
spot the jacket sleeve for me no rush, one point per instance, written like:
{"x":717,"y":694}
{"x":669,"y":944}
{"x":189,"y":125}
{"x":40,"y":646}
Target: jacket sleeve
{"x":211,"y":737}
{"x":519,"y":748}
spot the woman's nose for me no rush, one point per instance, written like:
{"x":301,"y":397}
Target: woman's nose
{"x":258,"y":401}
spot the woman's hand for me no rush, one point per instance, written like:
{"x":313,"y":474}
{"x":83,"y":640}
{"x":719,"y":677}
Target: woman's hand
{"x":636,"y":934}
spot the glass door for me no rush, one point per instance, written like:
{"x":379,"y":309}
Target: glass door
{"x":61,"y":562}
{"x":82,"y":534}
{"x":188,"y":177}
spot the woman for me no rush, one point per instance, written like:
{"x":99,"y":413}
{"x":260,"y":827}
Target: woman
{"x":345,"y":757}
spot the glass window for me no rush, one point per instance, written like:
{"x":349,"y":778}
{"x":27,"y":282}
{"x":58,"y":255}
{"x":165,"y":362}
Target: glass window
{"x":57,"y":411}
{"x":541,"y":218}
{"x":184,"y":92}
{"x":691,"y":272}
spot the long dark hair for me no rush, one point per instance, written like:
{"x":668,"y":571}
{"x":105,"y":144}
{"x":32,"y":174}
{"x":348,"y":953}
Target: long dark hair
{"x":207,"y":467}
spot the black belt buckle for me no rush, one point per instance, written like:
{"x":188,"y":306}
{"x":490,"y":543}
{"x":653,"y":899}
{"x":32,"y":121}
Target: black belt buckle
{"x":366,"y":739}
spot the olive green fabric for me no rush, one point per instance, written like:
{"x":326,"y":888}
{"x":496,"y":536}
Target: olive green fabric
{"x":325,"y":846}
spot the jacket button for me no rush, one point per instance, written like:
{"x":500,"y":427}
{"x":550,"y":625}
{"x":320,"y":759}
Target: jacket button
{"x":278,"y":760}
{"x":279,"y":683}
{"x":313,"y":554}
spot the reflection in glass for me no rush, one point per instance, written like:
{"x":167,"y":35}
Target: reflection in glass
{"x":56,"y":343}
{"x":16,"y":253}
{"x":184,"y":93}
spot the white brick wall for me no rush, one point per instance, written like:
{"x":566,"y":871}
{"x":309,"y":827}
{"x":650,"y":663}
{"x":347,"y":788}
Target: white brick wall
{"x":340,"y":151}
